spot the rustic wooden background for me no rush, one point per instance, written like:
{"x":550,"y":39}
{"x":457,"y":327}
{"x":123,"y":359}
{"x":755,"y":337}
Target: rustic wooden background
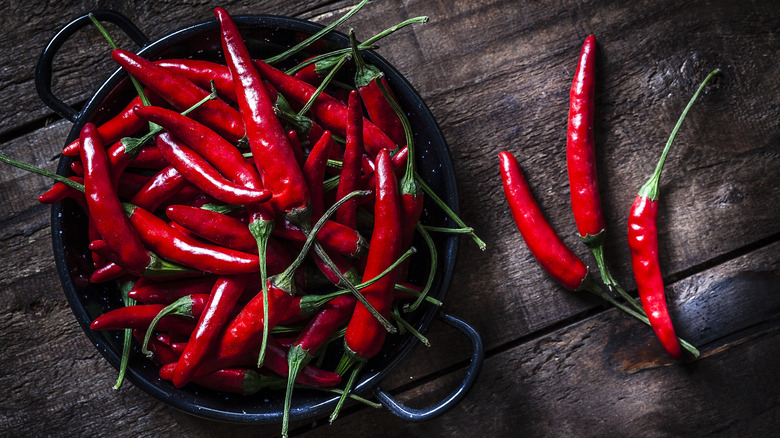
{"x":496,"y":75}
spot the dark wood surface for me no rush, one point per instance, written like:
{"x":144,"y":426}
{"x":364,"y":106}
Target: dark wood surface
{"x":496,"y":75}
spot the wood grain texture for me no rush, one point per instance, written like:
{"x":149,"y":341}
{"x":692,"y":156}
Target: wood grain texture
{"x":496,"y":76}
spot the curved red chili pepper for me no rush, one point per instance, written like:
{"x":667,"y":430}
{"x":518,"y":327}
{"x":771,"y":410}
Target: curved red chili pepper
{"x":139,"y":317}
{"x":379,"y":109}
{"x":122,"y":125}
{"x":543,"y":242}
{"x":202,"y":73}
{"x":643,"y":243}
{"x":242,"y":381}
{"x":177,"y":247}
{"x":333,"y":236}
{"x":104,"y":206}
{"x":60,"y":191}
{"x":333,"y":315}
{"x":352,"y":162}
{"x":146,"y":291}
{"x":198,"y":171}
{"x":330,"y":112}
{"x":223,"y":297}
{"x":182,"y":94}
{"x":162,"y":353}
{"x":159,"y":188}
{"x":268,"y":141}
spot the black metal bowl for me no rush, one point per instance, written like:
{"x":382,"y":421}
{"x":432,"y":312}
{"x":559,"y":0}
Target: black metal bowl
{"x":264,"y":35}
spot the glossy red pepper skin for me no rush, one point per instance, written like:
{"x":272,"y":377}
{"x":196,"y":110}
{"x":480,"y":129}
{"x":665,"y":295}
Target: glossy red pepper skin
{"x":333,"y":236}
{"x":163,"y":185}
{"x":581,"y":150}
{"x":220,"y":153}
{"x":177,"y":247}
{"x":139,"y":317}
{"x":643,"y":244}
{"x":544,"y":243}
{"x":104,"y":206}
{"x":161,"y":353}
{"x":60,"y":191}
{"x":271,"y":149}
{"x":182,"y":94}
{"x":202,"y":73}
{"x":365,"y":334}
{"x":330,"y":112}
{"x":146,"y":291}
{"x":314,"y":171}
{"x":229,"y":232}
{"x":222,"y":299}
{"x":198,"y":171}
{"x":349,"y":177}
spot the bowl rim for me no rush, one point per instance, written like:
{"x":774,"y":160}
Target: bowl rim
{"x":369,"y":378}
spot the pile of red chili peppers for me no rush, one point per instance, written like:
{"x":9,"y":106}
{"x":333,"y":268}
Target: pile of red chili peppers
{"x":558,"y":259}
{"x":210,"y":200}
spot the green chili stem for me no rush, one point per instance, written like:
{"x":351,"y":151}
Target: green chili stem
{"x":431,"y":273}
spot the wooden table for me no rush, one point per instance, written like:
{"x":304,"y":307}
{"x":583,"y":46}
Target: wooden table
{"x":496,"y":75}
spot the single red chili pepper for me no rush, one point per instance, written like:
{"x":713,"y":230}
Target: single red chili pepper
{"x":295,"y":143}
{"x":334,"y":315}
{"x":60,"y":191}
{"x":330,"y":112}
{"x":122,"y":125}
{"x":202,"y":73}
{"x":161,"y":353}
{"x":223,"y":297}
{"x":119,"y":159}
{"x":544,"y":243}
{"x":202,"y":174}
{"x":161,"y":187}
{"x":177,"y":247}
{"x":352,"y":161}
{"x":182,"y":94}
{"x":146,"y":291}
{"x":107,"y":272}
{"x":378,"y":107}
{"x":365,"y":334}
{"x":333,"y":236}
{"x":242,"y":381}
{"x":104,"y":206}
{"x":268,"y":141}
{"x":643,"y":243}
{"x":314,"y":172}
{"x":77,"y":167}
{"x":140,"y":316}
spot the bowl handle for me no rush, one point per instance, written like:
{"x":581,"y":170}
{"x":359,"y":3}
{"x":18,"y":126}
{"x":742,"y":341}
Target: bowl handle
{"x":43,"y":71}
{"x":477,"y":357}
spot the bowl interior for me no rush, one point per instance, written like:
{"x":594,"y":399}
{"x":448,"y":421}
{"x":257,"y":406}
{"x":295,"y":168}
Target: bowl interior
{"x":265,"y":35}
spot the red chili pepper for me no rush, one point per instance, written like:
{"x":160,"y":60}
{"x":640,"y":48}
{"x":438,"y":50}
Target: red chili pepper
{"x":544,"y":243}
{"x":276,"y":361}
{"x":146,"y":291}
{"x":162,"y":353}
{"x":122,"y":125}
{"x":60,"y":191}
{"x":140,"y":316}
{"x":314,"y":172}
{"x":177,"y":247}
{"x":352,"y":161}
{"x":130,"y":183}
{"x":202,"y":174}
{"x":222,"y":299}
{"x":378,"y":107}
{"x":161,"y":187}
{"x":229,"y":232}
{"x":242,"y":381}
{"x":643,"y":243}
{"x":333,"y":236}
{"x":182,"y":94}
{"x":104,"y":206}
{"x":330,"y":112}
{"x":202,"y":73}
{"x":316,"y":333}
{"x":268,"y":141}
